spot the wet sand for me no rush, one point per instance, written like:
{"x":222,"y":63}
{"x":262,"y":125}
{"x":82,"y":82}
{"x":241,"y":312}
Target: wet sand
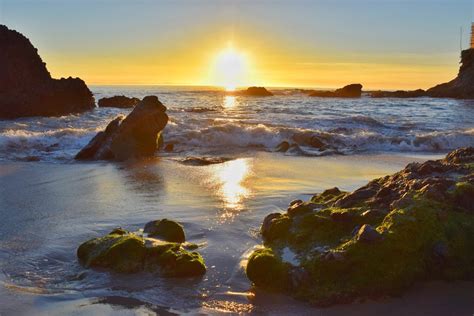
{"x":47,"y":210}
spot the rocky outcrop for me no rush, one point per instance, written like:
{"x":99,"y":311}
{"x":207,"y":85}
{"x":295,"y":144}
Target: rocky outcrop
{"x":26,"y":87}
{"x":118,"y":101}
{"x":349,"y":91}
{"x":417,"y":224}
{"x":399,"y":94}
{"x":125,"y":252}
{"x":138,"y":135}
{"x":462,"y":87}
{"x":253,"y":92}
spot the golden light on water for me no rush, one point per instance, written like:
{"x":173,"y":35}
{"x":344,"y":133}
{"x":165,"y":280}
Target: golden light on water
{"x":229,"y":101}
{"x":231,"y":178}
{"x":230,"y":69}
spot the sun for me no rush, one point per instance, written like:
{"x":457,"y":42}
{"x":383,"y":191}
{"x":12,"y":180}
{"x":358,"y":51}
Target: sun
{"x":230,"y":68}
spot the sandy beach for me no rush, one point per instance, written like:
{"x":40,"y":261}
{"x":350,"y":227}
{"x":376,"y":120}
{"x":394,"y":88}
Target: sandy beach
{"x":48,"y":209}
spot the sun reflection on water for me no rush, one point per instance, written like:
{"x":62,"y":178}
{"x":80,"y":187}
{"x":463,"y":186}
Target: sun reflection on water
{"x":229,"y":101}
{"x":231,"y":178}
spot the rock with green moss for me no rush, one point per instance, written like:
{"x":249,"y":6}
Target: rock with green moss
{"x":165,"y":229}
{"x":126,"y":252}
{"x":417,"y":224}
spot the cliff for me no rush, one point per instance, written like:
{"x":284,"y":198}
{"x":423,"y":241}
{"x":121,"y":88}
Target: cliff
{"x":26,"y":86}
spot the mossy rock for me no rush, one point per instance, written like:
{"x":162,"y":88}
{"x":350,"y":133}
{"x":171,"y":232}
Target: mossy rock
{"x":125,"y":252}
{"x":265,"y":269}
{"x":165,"y":229}
{"x":379,"y":244}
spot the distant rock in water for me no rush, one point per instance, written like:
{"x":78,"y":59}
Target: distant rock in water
{"x":118,"y":101}
{"x":135,"y":136}
{"x":204,"y":161}
{"x":26,"y":87}
{"x":462,"y":87}
{"x":254,"y":92}
{"x":349,"y":91}
{"x":399,"y":94}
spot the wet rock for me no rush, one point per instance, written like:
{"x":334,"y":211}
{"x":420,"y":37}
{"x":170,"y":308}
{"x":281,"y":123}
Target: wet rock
{"x":349,"y":91}
{"x":253,"y":92}
{"x":165,"y":229}
{"x":461,"y":155}
{"x":204,"y":161}
{"x":135,"y":136}
{"x":283,"y":147}
{"x":399,"y":94}
{"x":169,"y":147}
{"x":344,"y":216}
{"x":368,"y":234}
{"x":125,"y":252}
{"x":275,"y":226}
{"x":357,"y":196}
{"x":299,"y":209}
{"x":118,"y":101}
{"x":441,"y":250}
{"x":265,"y":269}
{"x":26,"y":86}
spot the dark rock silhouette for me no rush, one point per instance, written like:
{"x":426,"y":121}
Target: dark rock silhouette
{"x":462,"y":87}
{"x":253,"y":92}
{"x":26,"y":86}
{"x":350,"y":91}
{"x":133,"y":137}
{"x":118,"y":101}
{"x":399,"y":94}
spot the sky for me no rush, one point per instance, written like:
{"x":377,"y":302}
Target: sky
{"x":382,"y":44}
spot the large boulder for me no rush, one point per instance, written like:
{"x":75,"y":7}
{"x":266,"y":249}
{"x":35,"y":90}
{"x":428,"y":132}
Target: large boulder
{"x":26,"y":87}
{"x":118,"y":101}
{"x":461,"y":87}
{"x":135,"y":136}
{"x":417,"y":224}
{"x":350,"y":91}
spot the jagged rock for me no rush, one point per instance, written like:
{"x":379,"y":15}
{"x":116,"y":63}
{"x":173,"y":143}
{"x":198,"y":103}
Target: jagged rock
{"x":416,"y":224}
{"x":253,"y":92}
{"x":118,"y":101}
{"x":350,"y":91}
{"x":462,"y":87}
{"x":399,"y":94}
{"x":133,"y":137}
{"x":26,"y":87}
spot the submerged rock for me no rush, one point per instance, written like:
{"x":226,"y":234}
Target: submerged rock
{"x":204,"y":161}
{"x":350,"y":91}
{"x":118,"y":101}
{"x":399,"y":94}
{"x":126,"y":252}
{"x":26,"y":86}
{"x":417,"y":224}
{"x":138,"y":135}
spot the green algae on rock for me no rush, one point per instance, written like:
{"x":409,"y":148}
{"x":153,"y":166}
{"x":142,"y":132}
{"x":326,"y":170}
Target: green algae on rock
{"x":126,"y":252}
{"x":165,"y":229}
{"x":415,"y":225}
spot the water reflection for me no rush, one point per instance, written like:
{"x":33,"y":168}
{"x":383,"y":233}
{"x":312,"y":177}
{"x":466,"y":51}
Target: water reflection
{"x":231,"y":176}
{"x":229,"y":101}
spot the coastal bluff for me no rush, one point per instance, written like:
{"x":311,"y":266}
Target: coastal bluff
{"x":26,"y":86}
{"x":461,"y":87}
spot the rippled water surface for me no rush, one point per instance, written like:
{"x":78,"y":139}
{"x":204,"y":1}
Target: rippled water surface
{"x":206,"y":122}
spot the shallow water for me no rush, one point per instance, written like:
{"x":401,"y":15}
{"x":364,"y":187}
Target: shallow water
{"x":47,"y":210}
{"x":206,"y":122}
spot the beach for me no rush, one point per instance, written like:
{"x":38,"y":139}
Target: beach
{"x":49,"y":209}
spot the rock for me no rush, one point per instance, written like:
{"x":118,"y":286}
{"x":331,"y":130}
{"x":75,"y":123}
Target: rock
{"x":133,"y":137}
{"x":26,"y":86}
{"x":125,"y":252}
{"x":166,"y":230}
{"x":203,"y":161}
{"x":416,"y":224}
{"x":169,"y":147}
{"x":254,"y":92}
{"x":399,"y":94}
{"x":461,"y":87}
{"x":368,"y":234}
{"x":283,"y":147}
{"x":349,"y":91}
{"x":118,"y":101}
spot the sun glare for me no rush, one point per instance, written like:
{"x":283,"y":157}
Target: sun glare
{"x":230,"y":69}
